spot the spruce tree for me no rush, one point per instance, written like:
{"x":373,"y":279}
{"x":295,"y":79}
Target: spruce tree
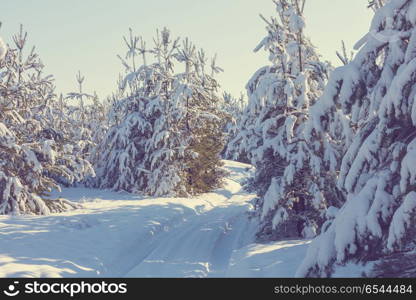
{"x":33,"y":154}
{"x":120,"y":156}
{"x":376,"y":93}
{"x":290,"y":202}
{"x":167,"y":138}
{"x":234,"y":111}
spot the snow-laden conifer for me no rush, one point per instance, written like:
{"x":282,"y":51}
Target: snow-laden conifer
{"x":375,"y":95}
{"x":167,"y":137}
{"x":272,"y":128}
{"x":34,"y":153}
{"x":234,"y":109}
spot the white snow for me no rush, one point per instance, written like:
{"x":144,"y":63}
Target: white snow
{"x":271,"y":197}
{"x":401,"y":220}
{"x":353,"y":270}
{"x":3,"y":49}
{"x":278,"y":259}
{"x":3,"y":130}
{"x":118,"y":234}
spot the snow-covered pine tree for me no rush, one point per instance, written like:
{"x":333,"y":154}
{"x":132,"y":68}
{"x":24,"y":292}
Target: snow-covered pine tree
{"x":167,"y":122}
{"x":234,"y":110}
{"x":3,"y":48}
{"x":246,"y":138}
{"x":204,"y":120}
{"x":97,"y":112}
{"x":65,"y":127}
{"x":376,"y":91}
{"x":167,"y":147}
{"x":119,"y":158}
{"x":290,"y":203}
{"x":85,"y":113}
{"x":33,"y":155}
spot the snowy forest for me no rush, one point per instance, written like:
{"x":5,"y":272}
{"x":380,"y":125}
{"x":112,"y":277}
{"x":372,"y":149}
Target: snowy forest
{"x":310,"y":173}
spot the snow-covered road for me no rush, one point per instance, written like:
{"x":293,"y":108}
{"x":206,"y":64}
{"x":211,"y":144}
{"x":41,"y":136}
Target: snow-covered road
{"x":122,"y":235}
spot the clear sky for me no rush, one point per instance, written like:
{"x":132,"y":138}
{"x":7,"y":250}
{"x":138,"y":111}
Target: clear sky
{"x":87,"y":35}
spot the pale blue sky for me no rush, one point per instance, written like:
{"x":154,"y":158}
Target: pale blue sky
{"x":87,"y":35}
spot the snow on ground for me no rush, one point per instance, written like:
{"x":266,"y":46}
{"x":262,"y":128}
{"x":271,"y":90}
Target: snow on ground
{"x":124,"y":235}
{"x":353,"y":270}
{"x":278,"y":259}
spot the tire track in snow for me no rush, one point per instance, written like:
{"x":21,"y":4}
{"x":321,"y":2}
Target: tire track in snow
{"x":201,"y":246}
